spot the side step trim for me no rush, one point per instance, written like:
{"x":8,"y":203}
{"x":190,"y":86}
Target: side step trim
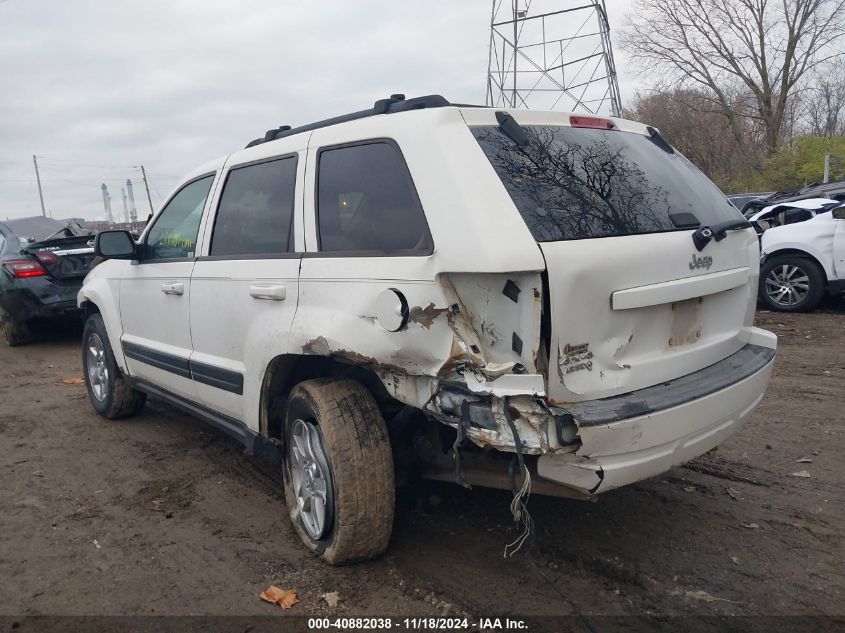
{"x":254,"y":443}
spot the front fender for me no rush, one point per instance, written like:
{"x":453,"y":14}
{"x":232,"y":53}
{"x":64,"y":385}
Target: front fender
{"x":102,"y":289}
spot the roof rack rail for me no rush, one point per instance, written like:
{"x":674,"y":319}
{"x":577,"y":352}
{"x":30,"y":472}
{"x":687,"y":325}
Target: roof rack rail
{"x":395,"y":103}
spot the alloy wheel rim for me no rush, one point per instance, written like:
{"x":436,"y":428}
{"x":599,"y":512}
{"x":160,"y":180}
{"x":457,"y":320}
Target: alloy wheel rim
{"x":98,"y":371}
{"x":310,"y":478}
{"x":787,"y":285}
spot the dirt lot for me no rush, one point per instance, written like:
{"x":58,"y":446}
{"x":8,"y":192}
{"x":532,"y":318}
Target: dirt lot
{"x":161,"y":515}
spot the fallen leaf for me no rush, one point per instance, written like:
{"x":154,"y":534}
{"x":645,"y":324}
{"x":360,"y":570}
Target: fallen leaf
{"x":285,"y":598}
{"x":802,"y":473}
{"x":96,"y":544}
{"x":731,"y":492}
{"x":804,"y":460}
{"x":689,"y":488}
{"x":735,"y":560}
{"x":750,"y":526}
{"x":331,"y":598}
{"x":73,"y":381}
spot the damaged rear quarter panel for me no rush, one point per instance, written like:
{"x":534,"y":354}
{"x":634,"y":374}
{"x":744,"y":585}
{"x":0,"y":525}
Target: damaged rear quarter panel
{"x":337,"y":317}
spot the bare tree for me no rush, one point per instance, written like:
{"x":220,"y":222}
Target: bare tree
{"x":692,"y":122}
{"x":762,"y":47}
{"x":825,"y":103}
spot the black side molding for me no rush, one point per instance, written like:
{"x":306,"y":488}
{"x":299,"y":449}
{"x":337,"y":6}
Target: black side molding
{"x":224,"y":379}
{"x":160,"y":360}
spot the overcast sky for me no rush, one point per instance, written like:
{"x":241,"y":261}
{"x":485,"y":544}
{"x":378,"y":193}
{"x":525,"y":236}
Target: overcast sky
{"x":96,"y":88}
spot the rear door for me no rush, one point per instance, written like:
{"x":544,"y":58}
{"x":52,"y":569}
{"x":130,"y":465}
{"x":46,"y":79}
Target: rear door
{"x":245,"y":286}
{"x":631,"y":301}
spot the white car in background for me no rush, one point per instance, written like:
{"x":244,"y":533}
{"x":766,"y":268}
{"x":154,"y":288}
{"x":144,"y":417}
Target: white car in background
{"x":801,"y":262}
{"x":786,"y":213}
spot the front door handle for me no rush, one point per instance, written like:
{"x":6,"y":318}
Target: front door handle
{"x":273,"y":292}
{"x":173,"y":288}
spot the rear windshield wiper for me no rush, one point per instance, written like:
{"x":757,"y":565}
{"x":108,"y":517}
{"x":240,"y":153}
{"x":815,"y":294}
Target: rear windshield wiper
{"x":702,"y":236}
{"x":512,"y":129}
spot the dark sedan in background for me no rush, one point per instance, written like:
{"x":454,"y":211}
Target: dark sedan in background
{"x":42,"y":264}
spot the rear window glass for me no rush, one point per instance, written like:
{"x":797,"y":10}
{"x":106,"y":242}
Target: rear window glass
{"x":577,"y":183}
{"x":366,"y":201}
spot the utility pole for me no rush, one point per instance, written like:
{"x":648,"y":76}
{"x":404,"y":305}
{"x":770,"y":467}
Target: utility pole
{"x":38,"y":178}
{"x":147,"y":187}
{"x":826,"y":168}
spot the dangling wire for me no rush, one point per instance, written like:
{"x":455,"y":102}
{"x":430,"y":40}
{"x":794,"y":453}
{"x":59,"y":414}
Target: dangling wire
{"x":519,"y":503}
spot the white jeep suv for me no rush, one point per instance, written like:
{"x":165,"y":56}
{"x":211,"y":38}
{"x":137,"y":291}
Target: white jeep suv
{"x":516,"y":299}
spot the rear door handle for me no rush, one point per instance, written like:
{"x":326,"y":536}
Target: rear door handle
{"x":273,"y":292}
{"x":173,"y":288}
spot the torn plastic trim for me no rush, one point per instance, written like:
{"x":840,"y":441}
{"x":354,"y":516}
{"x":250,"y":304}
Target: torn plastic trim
{"x":488,"y":416}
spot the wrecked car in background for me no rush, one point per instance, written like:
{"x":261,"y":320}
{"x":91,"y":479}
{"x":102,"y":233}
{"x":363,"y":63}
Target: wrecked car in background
{"x":42,"y":264}
{"x":519,"y":299}
{"x":786,"y":213}
{"x":801,"y":263}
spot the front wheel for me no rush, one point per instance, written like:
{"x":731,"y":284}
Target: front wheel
{"x":110,"y":395}
{"x":338,"y":470}
{"x":791,"y":284}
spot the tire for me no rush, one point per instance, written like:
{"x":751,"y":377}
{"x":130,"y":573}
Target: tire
{"x":779,"y":290}
{"x":356,"y":468}
{"x":16,"y":332}
{"x":110,"y":395}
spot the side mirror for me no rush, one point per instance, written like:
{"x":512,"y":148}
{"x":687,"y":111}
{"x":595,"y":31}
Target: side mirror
{"x":115,"y":245}
{"x":839,"y":213}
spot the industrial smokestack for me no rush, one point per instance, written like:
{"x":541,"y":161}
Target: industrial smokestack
{"x":125,"y":208}
{"x":133,"y":212}
{"x":107,"y":203}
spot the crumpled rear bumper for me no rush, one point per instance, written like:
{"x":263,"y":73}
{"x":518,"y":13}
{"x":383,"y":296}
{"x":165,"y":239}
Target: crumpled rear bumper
{"x":620,"y":452}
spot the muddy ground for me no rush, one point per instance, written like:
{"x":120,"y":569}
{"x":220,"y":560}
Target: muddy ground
{"x":161,"y":515}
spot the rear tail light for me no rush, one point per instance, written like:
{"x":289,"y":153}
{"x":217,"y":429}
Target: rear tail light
{"x":24,"y":268}
{"x":593,"y":122}
{"x":47,"y":258}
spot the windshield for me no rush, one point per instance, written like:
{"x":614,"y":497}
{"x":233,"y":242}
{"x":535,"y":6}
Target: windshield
{"x":576,"y":183}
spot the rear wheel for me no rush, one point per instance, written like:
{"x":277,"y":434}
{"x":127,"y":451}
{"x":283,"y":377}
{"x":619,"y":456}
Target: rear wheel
{"x":111,"y":396}
{"x":338,"y":470}
{"x":791,"y":284}
{"x":16,"y":332}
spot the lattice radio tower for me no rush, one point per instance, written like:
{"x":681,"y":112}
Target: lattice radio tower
{"x":560,"y":59}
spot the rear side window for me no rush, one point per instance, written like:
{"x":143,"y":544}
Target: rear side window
{"x":576,"y":183}
{"x":174,"y":233}
{"x":255,"y":213}
{"x":366,"y":201}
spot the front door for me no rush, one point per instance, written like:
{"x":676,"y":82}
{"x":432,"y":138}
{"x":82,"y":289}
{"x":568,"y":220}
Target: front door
{"x":155,"y":293}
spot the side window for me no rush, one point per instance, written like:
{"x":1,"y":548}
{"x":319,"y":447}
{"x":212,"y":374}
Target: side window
{"x":174,"y":234}
{"x":2,"y":242}
{"x":366,"y":201}
{"x":256,"y":209}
